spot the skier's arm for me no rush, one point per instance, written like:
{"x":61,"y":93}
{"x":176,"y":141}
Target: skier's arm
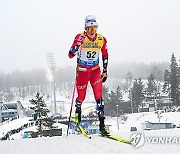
{"x":104,"y":51}
{"x":76,"y":44}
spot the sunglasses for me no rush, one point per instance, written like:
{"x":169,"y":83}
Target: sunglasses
{"x":91,"y":28}
{"x":91,"y":20}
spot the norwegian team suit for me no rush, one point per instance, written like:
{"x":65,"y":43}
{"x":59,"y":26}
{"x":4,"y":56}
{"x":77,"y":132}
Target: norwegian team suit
{"x":88,"y":69}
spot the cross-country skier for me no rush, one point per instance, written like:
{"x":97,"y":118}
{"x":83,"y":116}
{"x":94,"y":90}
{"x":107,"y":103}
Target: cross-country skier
{"x":88,"y":45}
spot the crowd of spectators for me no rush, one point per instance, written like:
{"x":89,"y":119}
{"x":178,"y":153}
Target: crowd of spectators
{"x":14,"y":131}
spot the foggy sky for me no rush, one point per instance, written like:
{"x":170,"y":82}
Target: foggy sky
{"x":136,"y":30}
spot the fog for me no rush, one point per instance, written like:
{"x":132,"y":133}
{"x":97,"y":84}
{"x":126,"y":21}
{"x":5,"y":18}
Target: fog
{"x":136,"y":30}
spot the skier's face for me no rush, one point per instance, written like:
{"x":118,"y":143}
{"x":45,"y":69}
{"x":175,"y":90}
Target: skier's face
{"x":91,"y":31}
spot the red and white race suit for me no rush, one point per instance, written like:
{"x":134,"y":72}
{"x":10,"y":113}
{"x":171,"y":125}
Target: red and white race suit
{"x":88,"y":51}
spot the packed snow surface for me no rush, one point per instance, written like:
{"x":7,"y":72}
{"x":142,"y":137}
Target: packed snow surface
{"x":77,"y":144}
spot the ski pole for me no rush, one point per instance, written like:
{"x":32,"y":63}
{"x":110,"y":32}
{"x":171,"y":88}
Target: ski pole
{"x":71,"y":108}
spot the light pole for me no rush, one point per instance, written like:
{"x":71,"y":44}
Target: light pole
{"x":51,"y":65}
{"x":117,"y":116}
{"x":50,"y":79}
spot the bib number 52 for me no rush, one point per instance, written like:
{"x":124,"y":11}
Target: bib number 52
{"x":91,"y":54}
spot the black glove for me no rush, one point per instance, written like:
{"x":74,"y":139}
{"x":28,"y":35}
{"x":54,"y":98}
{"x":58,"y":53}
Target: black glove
{"x":104,"y":77}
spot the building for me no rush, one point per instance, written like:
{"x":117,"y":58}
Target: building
{"x":10,"y":110}
{"x":155,"y":126}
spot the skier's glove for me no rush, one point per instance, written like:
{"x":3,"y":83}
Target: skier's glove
{"x":104,"y":77}
{"x":80,"y":39}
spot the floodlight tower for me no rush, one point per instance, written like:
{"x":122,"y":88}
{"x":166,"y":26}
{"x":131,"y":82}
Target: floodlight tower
{"x":51,"y":65}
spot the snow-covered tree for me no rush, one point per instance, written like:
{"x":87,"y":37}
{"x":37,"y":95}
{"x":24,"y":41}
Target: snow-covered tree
{"x":174,"y":81}
{"x":42,"y":121}
{"x":137,"y":94}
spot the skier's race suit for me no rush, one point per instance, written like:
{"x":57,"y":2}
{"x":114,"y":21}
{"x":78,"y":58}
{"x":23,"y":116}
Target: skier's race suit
{"x":88,"y":69}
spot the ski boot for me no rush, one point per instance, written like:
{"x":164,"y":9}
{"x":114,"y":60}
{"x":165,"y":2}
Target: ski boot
{"x":103,"y":130}
{"x":77,"y":118}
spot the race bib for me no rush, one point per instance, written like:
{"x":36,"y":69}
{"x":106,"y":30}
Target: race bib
{"x":88,"y":55}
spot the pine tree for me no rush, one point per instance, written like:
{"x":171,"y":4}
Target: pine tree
{"x":137,"y":94}
{"x":166,"y":86}
{"x":42,"y":121}
{"x":118,"y":95}
{"x":112,"y":99}
{"x":105,"y":93}
{"x":141,"y":92}
{"x":112,"y":102}
{"x":174,"y":81}
{"x":152,"y":87}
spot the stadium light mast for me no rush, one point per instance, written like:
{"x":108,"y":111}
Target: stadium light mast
{"x":52,"y":67}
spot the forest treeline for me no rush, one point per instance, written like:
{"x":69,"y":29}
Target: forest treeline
{"x":40,"y":76}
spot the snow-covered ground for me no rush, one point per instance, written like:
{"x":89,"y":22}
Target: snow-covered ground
{"x":74,"y":144}
{"x":78,"y":144}
{"x":135,"y":120}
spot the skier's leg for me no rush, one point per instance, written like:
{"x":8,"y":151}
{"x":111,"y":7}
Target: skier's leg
{"x":100,"y":109}
{"x":78,"y":112}
{"x":96,"y":84}
{"x":81,"y":85}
